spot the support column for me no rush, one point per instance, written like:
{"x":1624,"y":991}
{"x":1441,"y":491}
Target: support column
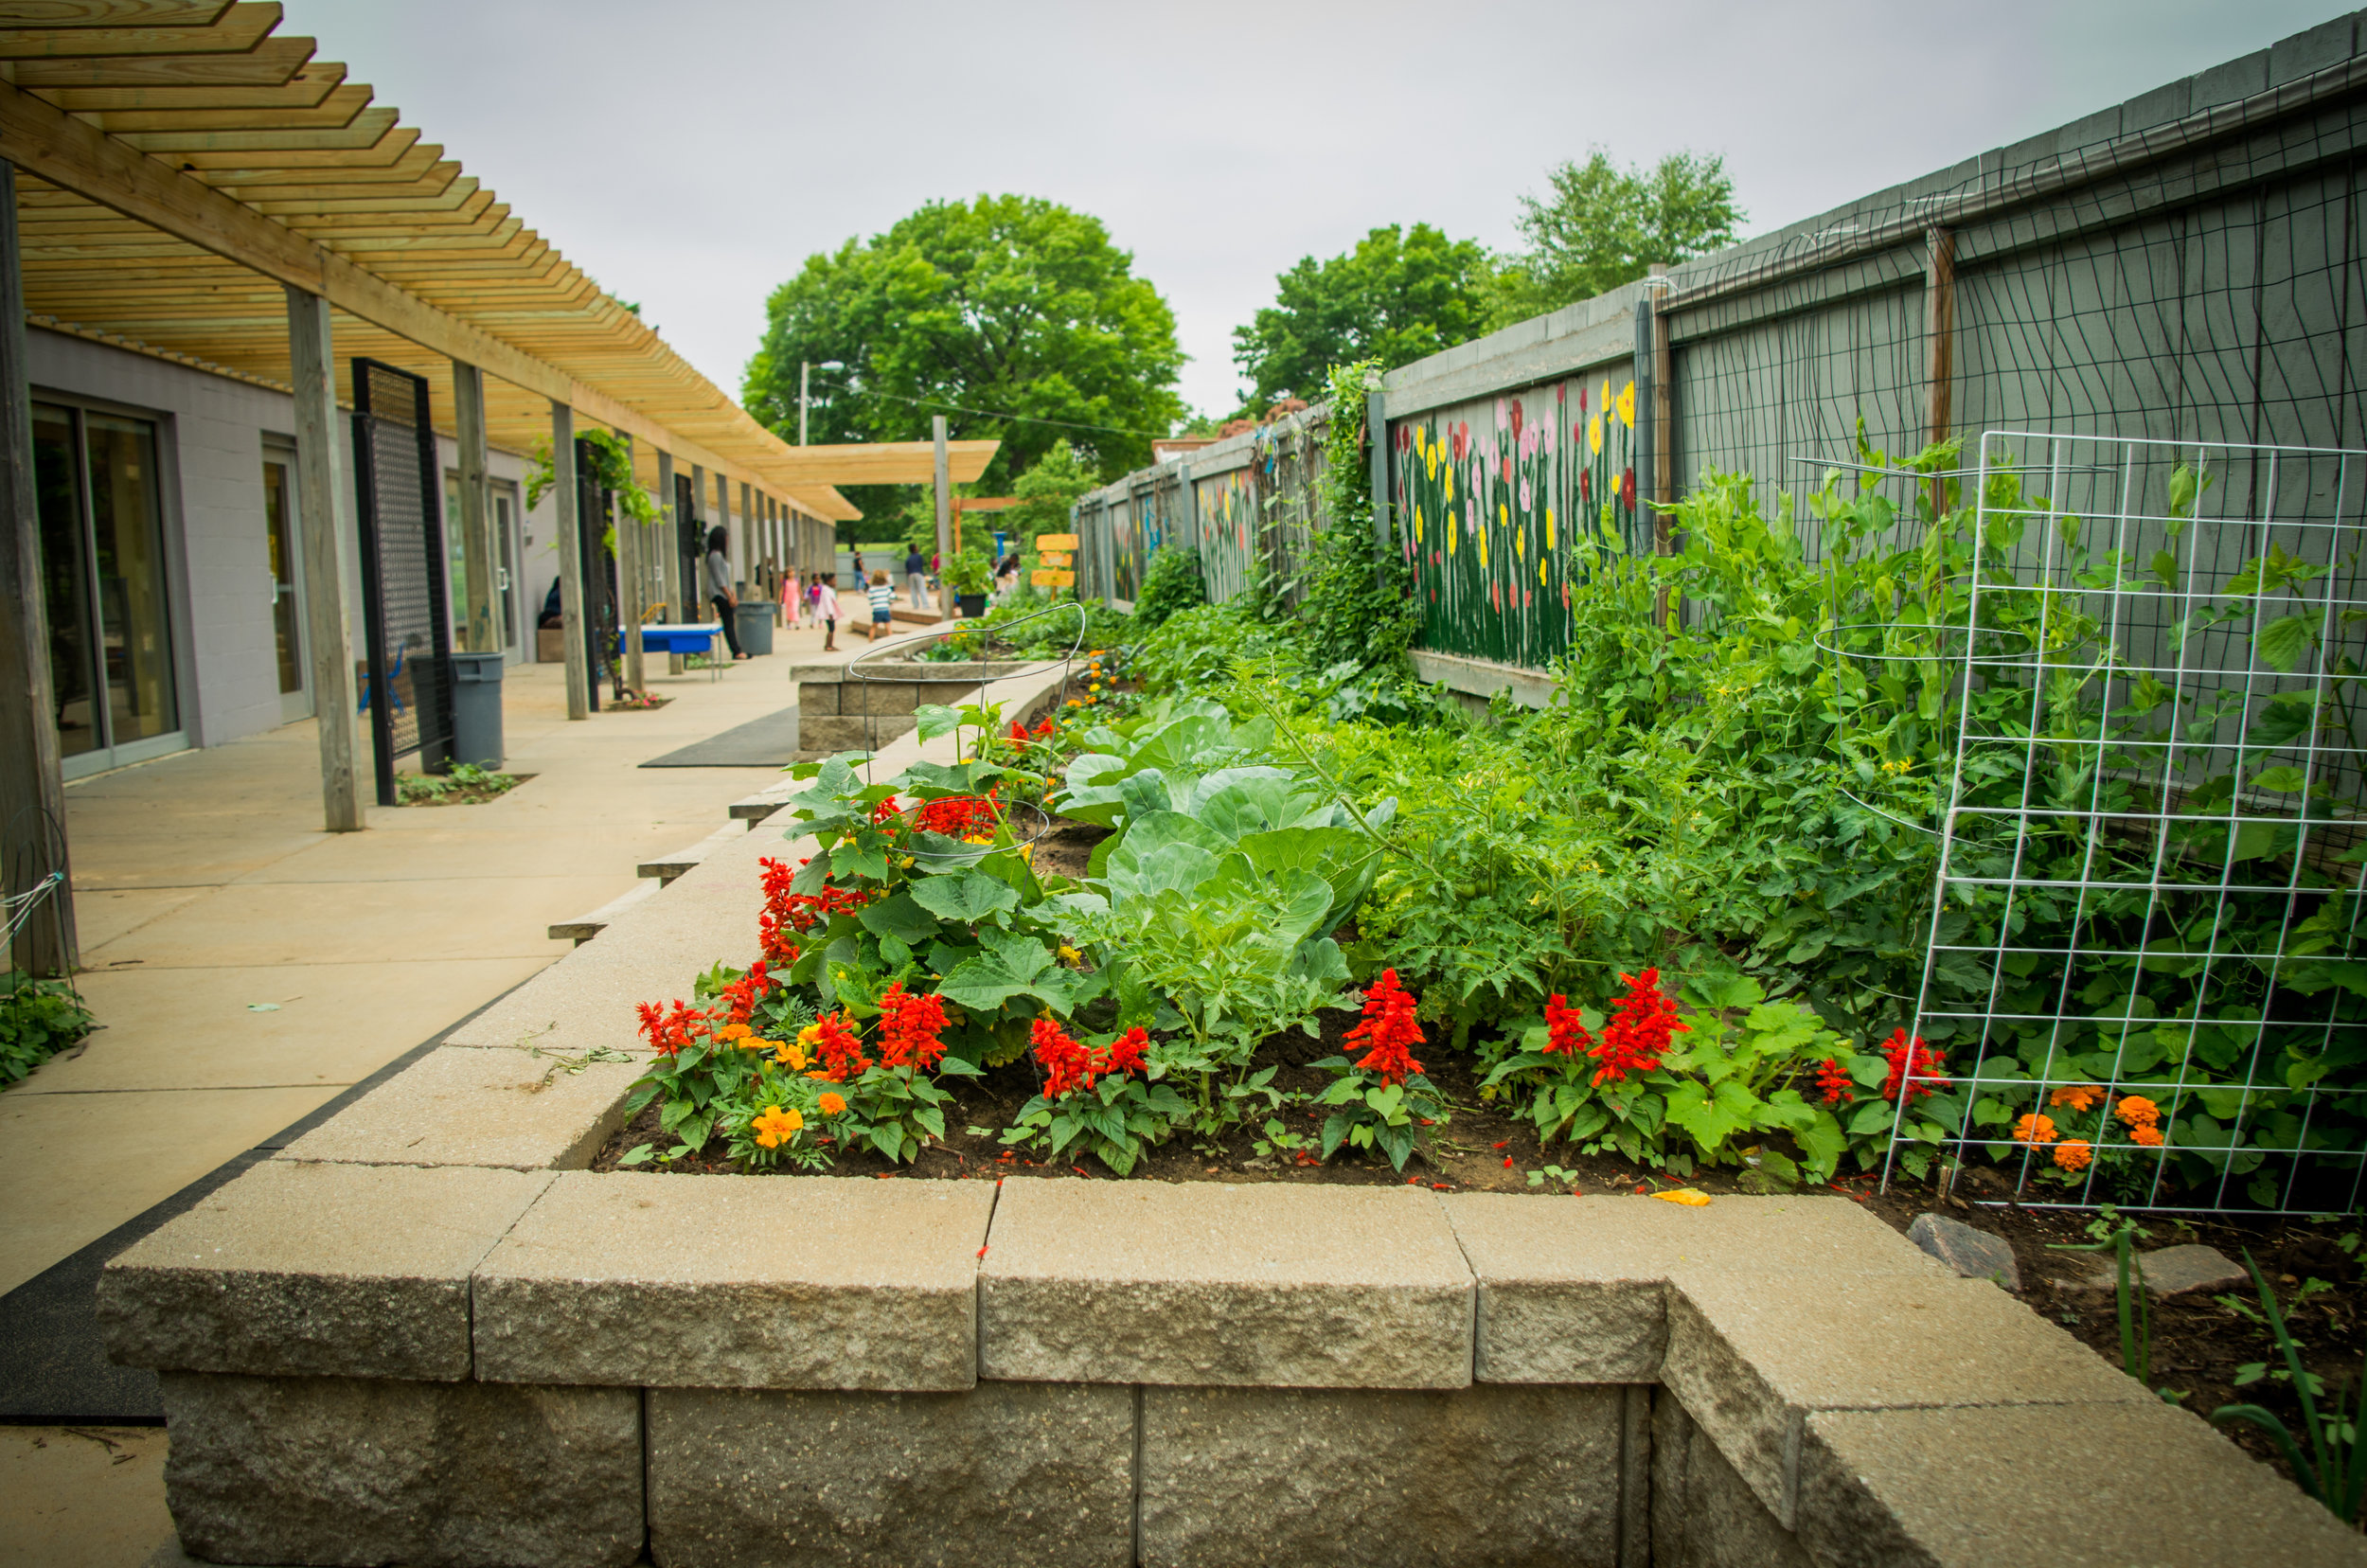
{"x":326,"y":520}
{"x":32,"y":785}
{"x":745,"y":550}
{"x":632,"y":585}
{"x":668,"y":549}
{"x":945,"y":520}
{"x":570,"y":561}
{"x":479,"y":630}
{"x":693,"y":597}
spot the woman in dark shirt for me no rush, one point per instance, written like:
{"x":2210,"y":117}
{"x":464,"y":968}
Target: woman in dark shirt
{"x":720,"y":589}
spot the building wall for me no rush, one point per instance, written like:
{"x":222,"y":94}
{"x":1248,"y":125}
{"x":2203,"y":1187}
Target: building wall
{"x":210,"y":444}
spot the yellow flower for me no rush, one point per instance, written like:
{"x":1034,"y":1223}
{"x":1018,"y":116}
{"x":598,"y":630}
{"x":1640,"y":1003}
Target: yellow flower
{"x":789,"y":1055}
{"x":1451,"y":532}
{"x":1094,"y":687}
{"x":1450,"y":481}
{"x":810,"y":1035}
{"x":1076,"y":701}
{"x":1627,"y":406}
{"x":1483,"y":549}
{"x":1540,"y":570}
{"x":776,"y":1126}
{"x":1430,"y":461}
{"x":1417,"y":523}
{"x":1069,"y":954}
{"x":831,"y":1104}
{"x":1027,"y":854}
{"x":1520,"y":545}
{"x":1504,"y":518}
{"x":1549,"y":528}
{"x":1595,"y":434}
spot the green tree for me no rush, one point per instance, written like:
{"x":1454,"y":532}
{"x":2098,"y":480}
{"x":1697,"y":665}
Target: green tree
{"x":1600,"y":226}
{"x":1398,"y":296}
{"x":1045,"y":493}
{"x":1006,"y":303}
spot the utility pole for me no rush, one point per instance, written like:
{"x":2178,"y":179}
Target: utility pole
{"x":804,"y":390}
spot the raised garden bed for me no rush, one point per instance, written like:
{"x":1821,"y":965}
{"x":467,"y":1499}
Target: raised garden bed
{"x":466,"y":785}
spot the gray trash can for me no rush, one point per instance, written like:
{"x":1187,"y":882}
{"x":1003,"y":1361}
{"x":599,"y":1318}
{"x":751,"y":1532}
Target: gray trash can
{"x":753,"y":621}
{"x":476,"y":709}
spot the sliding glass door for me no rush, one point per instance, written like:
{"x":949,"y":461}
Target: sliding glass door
{"x":111,"y":659}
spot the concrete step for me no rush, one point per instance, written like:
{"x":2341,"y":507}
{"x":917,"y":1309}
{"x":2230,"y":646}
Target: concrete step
{"x":756,"y":808}
{"x":584,"y":927}
{"x":667,"y":867}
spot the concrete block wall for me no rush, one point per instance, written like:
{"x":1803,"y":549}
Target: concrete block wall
{"x":426,"y":1333}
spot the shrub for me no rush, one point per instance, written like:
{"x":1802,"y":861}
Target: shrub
{"x":1172,"y":583}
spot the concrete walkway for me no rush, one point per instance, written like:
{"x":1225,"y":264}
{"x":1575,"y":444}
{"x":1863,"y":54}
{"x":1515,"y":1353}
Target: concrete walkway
{"x":206,"y":889}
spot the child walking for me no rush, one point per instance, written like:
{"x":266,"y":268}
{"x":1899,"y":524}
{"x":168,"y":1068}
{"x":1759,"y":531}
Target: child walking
{"x":882,"y":602}
{"x":826,"y":606}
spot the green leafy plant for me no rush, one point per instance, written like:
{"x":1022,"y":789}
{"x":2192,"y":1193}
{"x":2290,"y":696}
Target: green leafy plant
{"x":38,"y":1019}
{"x":2117,"y":1234}
{"x":969,"y":572}
{"x":2334,"y":1471}
{"x":1172,"y":582}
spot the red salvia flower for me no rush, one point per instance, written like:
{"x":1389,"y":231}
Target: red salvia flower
{"x":1125,"y":1053}
{"x":1067,"y":1066}
{"x":667,"y":1033}
{"x":1911,"y":1059}
{"x":1834,"y":1079}
{"x":741,"y":996}
{"x":1637,"y":1037}
{"x":1047,"y":726}
{"x":840,"y":1049}
{"x":909,"y":1030}
{"x":1019,"y":733}
{"x":1388,"y":1029}
{"x":1564,"y":1034}
{"x":959,"y":816}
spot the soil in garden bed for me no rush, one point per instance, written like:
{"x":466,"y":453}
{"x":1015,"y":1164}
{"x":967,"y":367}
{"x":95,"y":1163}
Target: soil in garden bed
{"x":2198,"y":1343}
{"x":470,"y":794}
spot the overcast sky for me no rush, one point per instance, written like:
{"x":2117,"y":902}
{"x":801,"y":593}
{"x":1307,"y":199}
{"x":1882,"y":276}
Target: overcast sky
{"x":691,"y":154}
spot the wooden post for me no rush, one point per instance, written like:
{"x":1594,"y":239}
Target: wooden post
{"x":324,"y":516}
{"x":666,"y":548}
{"x":478,"y":632}
{"x":32,"y":783}
{"x":1663,"y":434}
{"x":633,"y":583}
{"x":945,"y":520}
{"x":1939,"y":339}
{"x":570,"y":561}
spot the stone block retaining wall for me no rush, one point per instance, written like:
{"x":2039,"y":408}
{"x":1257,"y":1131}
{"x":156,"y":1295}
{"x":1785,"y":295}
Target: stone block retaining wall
{"x":424,"y":1334}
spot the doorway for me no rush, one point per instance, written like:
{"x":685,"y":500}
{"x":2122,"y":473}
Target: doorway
{"x":114,"y":685}
{"x":287,"y":615}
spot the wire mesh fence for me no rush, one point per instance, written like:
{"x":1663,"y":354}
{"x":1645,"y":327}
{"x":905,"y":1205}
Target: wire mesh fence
{"x":2144,"y":981}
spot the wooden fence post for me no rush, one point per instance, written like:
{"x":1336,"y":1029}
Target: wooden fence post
{"x":1663,"y":432}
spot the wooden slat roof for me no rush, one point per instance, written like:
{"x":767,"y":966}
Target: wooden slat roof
{"x":178,"y":161}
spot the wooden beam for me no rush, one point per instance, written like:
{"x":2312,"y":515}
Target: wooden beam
{"x":883,"y":463}
{"x":306,"y":89}
{"x":112,"y":13}
{"x":238,"y":28}
{"x":233,"y":133}
{"x":271,"y":64}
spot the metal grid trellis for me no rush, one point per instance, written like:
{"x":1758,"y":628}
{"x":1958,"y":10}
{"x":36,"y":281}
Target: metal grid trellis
{"x":398,"y":481}
{"x":2146,"y":927}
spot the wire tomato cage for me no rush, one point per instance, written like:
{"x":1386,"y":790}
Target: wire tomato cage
{"x":2143,"y":982}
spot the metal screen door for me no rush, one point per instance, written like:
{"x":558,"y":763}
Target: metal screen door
{"x":407,"y":621}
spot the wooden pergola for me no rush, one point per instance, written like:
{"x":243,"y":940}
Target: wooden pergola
{"x":177,"y":178}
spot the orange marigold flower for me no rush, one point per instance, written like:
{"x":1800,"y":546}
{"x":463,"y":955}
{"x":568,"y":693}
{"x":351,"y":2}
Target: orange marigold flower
{"x":2137,"y":1110}
{"x":2147,"y":1134}
{"x":730,"y":1032}
{"x":831,"y":1103}
{"x":789,"y":1055}
{"x":2079,"y":1097}
{"x":2073,"y":1154}
{"x":775,"y":1127}
{"x":2034,"y":1128}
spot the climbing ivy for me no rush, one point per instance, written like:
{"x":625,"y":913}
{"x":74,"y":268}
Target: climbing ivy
{"x":1357,"y":602}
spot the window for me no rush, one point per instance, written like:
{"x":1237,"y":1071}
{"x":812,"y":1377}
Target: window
{"x":110,"y":663}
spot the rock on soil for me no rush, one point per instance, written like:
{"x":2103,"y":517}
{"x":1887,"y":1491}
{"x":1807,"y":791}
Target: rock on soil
{"x":2168,"y":1272}
{"x":1973,"y":1254}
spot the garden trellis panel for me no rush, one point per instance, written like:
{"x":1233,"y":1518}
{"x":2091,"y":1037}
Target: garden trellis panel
{"x":2144,"y":974}
{"x":407,"y":625}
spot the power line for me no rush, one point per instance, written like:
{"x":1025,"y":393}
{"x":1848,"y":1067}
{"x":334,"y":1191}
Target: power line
{"x":992,"y":414}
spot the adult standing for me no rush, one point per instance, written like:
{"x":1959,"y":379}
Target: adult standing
{"x":719,"y":594}
{"x":915,"y":575}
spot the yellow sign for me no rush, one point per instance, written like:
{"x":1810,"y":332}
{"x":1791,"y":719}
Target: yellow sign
{"x":1056,"y":541}
{"x":1056,"y":557}
{"x":1054,"y":580}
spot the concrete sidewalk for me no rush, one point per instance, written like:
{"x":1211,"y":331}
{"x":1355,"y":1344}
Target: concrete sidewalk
{"x":206,"y":889}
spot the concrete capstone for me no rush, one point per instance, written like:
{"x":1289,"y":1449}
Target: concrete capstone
{"x":737,"y":1282}
{"x":1205,"y":1283}
{"x":1752,"y":1357}
{"x":465,"y":1106}
{"x":1573,"y":1292}
{"x":341,"y":1270}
